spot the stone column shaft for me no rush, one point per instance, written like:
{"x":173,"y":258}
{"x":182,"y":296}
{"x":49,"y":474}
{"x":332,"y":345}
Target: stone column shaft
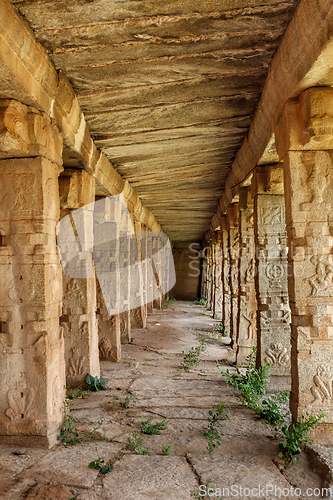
{"x":272,"y":275}
{"x":304,"y":140}
{"x":32,"y":347}
{"x":226,"y":319}
{"x":218,"y":305}
{"x":247,"y":315}
{"x":77,"y":189}
{"x":233,"y":246}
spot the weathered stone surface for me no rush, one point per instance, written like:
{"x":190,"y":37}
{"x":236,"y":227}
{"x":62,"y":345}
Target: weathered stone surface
{"x":51,"y":492}
{"x":70,"y":466}
{"x":169,"y":478}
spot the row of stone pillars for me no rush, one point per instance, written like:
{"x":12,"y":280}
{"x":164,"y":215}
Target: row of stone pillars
{"x":273,"y":284}
{"x":54,"y":328}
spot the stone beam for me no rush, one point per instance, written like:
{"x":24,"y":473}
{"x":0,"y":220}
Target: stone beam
{"x":28,"y":75}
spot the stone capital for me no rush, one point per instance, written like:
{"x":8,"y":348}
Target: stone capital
{"x":306,"y":123}
{"x":268,"y":179}
{"x":27,"y":132}
{"x":233,"y":215}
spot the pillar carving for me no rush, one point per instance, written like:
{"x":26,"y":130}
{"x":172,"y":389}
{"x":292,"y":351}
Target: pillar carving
{"x":233,"y":245}
{"x":247,"y":315}
{"x":138,"y":284}
{"x":77,"y":189}
{"x":32,"y":346}
{"x":272,"y":274}
{"x":226,"y":319}
{"x":304,"y":139}
{"x":218,"y":305}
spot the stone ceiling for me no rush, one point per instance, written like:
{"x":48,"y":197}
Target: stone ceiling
{"x":168,"y":89}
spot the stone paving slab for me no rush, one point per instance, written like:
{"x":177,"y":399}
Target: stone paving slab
{"x":150,"y":478}
{"x":69,"y":466}
{"x":233,"y":470}
{"x":12,"y":489}
{"x":15,"y":460}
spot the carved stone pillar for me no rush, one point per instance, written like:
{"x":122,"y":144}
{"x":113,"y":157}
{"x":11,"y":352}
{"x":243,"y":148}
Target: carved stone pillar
{"x":138,"y":283}
{"x":218,"y":306}
{"x":233,"y":244}
{"x":125,"y":230}
{"x":77,"y":189}
{"x":32,"y":347}
{"x":157,"y":254}
{"x":304,"y":139}
{"x":226,"y":319}
{"x":247,"y":315}
{"x":150,"y":276}
{"x":209,"y":275}
{"x":272,"y":275}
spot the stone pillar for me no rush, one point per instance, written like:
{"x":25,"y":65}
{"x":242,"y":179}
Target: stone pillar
{"x":209,"y":275}
{"x":218,"y":306}
{"x":32,"y":347}
{"x":159,"y":300}
{"x":126,"y":227}
{"x":304,"y":139}
{"x":272,"y":275}
{"x":210,"y":298}
{"x":139,"y":319}
{"x":150,"y":276}
{"x":107,"y":224}
{"x":247,"y":314}
{"x":226,"y":319}
{"x":77,"y":189}
{"x":203,"y":253}
{"x":233,"y":245}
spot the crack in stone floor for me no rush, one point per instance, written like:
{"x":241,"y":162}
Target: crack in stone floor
{"x":150,"y":369}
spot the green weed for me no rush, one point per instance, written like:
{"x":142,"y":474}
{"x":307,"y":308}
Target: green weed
{"x":193,"y":357}
{"x":95,"y":383}
{"x":146,"y":428}
{"x":166,"y":448}
{"x":296,"y":435}
{"x":99,"y":464}
{"x":214,"y":422}
{"x":134,"y":442}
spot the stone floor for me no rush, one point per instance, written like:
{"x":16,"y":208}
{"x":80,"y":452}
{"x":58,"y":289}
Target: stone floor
{"x":150,"y":370}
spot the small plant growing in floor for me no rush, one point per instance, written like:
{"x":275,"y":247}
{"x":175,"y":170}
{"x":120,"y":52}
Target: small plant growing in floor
{"x":200,"y":302}
{"x":95,"y":383}
{"x":270,"y":409}
{"x":166,"y":448}
{"x":146,"y":428}
{"x":193,"y":357}
{"x":99,"y":464}
{"x":252,"y":384}
{"x":130,"y":396}
{"x":68,"y":433}
{"x":214,"y":422}
{"x":77,"y":392}
{"x":296,"y":435}
{"x":168,"y":302}
{"x":134,"y":442}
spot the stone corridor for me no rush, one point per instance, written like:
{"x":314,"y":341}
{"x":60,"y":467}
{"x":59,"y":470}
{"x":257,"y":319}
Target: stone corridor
{"x":149,"y":368}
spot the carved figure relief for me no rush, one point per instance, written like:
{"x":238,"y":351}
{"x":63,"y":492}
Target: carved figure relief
{"x":250,"y":271}
{"x":322,"y":388}
{"x":272,"y":215}
{"x":105,"y":349}
{"x":276,"y":354}
{"x":251,"y":330}
{"x":57,"y":396}
{"x":19,"y":400}
{"x":318,"y":179}
{"x":75,"y":363}
{"x":73,"y":292}
{"x":275,"y":271}
{"x":321,"y":282}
